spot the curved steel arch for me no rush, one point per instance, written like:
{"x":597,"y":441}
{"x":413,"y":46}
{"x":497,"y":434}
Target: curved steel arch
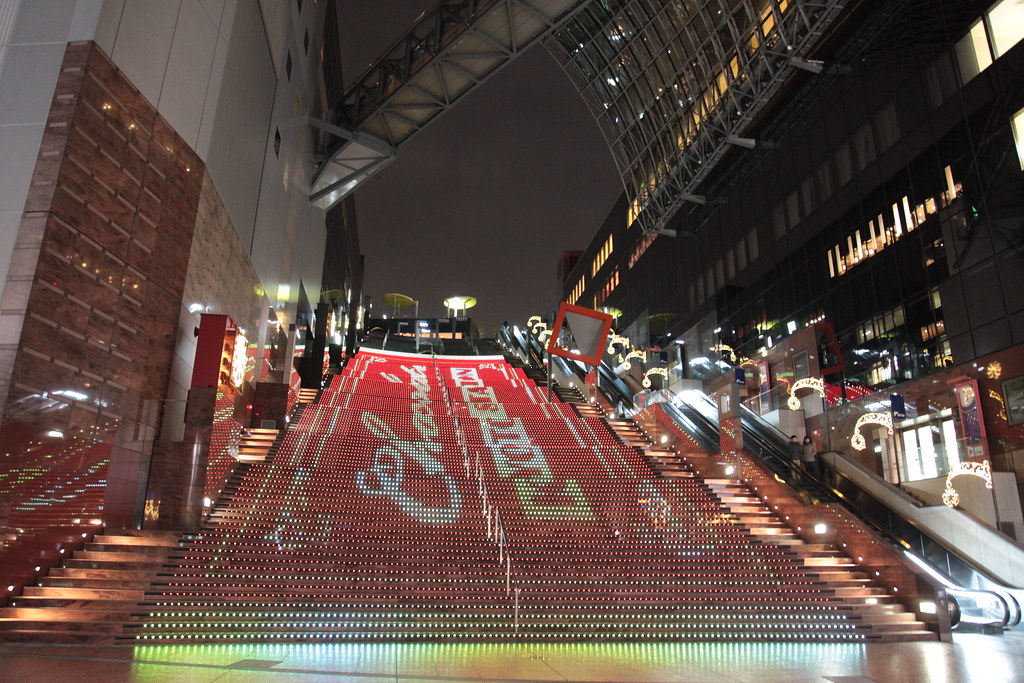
{"x":672,"y":83}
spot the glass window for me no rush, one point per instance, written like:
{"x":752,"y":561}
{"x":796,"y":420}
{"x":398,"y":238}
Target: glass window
{"x":887,"y":127}
{"x":779,"y":221}
{"x":864,"y":146}
{"x":844,"y":167}
{"x":824,"y":179}
{"x":792,"y":209}
{"x":972,"y":52}
{"x":807,"y":194}
{"x":1017,"y":123}
{"x":741,"y":254}
{"x":1006,"y":25}
{"x":752,"y":244}
{"x":941,"y":80}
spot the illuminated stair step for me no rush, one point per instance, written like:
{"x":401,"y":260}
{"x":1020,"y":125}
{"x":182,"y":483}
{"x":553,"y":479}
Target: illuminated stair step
{"x":169,"y":540}
{"x":83,"y":593}
{"x":15,"y":617}
{"x":80,"y":582}
{"x":101,"y":574}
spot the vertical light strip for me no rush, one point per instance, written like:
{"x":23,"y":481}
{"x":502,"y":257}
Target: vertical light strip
{"x":1017,"y":125}
{"x":897,"y":221}
{"x":950,"y":185}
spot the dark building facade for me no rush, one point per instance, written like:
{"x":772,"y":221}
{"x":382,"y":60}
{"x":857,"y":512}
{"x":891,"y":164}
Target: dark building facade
{"x":871,"y":236}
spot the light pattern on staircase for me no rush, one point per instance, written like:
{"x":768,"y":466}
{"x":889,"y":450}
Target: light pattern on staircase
{"x":375,"y":518}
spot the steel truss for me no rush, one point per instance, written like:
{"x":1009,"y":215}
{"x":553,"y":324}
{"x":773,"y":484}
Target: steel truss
{"x":674,"y":85}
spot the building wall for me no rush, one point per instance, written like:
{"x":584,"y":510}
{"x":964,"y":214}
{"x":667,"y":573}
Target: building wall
{"x":156,"y":167}
{"x":32,"y":46}
{"x":773,"y":255}
{"x":217,"y":70}
{"x":112,"y":205}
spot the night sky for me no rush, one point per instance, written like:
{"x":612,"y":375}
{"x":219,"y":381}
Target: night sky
{"x":484,"y":200}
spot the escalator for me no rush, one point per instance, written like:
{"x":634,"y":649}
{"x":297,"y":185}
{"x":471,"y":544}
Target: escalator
{"x":977,"y":599}
{"x":980,"y":598}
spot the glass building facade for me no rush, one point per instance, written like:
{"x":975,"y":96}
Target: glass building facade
{"x":871,"y":236}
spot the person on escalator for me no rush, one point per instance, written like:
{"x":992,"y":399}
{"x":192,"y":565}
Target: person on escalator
{"x":793,"y":448}
{"x":809,"y":453}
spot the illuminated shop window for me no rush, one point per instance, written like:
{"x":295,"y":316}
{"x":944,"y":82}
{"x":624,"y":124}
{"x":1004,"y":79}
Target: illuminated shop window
{"x":602,"y":256}
{"x":1017,"y":123}
{"x":888,"y":227}
{"x":577,"y":291}
{"x":1005,"y":25}
{"x":609,"y":287}
{"x":973,"y":52}
{"x":640,"y":248}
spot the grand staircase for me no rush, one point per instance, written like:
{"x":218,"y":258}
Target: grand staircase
{"x":444,"y":499}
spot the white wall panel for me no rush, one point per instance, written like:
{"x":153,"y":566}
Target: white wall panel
{"x":242,"y":120}
{"x":212,"y":100}
{"x":27,"y":82}
{"x":106,"y":28}
{"x":188,"y":71}
{"x":85,"y":20}
{"x":33,"y":40}
{"x":9,"y":223}
{"x":46,"y":21}
{"x":275,"y":14}
{"x":214,"y":9}
{"x":142,"y":45}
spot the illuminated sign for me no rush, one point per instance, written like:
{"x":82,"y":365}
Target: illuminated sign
{"x":515,"y":456}
{"x":981,"y":470}
{"x":724,"y":348}
{"x":635,"y":353}
{"x":883,"y":419}
{"x":807,"y":383}
{"x":238,"y":360}
{"x":616,"y":339}
{"x":661,"y":372}
{"x":387,"y":473}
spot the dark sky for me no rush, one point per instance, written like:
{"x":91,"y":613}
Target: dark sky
{"x":483,"y":201}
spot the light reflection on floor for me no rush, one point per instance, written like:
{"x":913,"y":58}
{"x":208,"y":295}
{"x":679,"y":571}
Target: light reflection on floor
{"x":990,"y":659}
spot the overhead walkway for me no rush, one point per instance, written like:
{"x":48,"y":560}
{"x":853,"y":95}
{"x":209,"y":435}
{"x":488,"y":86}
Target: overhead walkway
{"x":452,"y":48}
{"x":977,"y":568}
{"x":673,"y":86}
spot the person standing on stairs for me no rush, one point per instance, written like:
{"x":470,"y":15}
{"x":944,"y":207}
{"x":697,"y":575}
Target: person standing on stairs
{"x":809,"y":453}
{"x":793,"y":448}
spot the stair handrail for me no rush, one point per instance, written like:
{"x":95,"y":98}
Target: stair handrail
{"x":768,"y":455}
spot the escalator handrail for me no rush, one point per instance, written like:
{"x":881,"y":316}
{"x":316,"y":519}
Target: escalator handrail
{"x":756,"y":426}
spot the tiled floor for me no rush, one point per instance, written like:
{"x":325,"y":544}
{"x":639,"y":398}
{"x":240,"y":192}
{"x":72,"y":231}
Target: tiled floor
{"x":988,"y":659}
